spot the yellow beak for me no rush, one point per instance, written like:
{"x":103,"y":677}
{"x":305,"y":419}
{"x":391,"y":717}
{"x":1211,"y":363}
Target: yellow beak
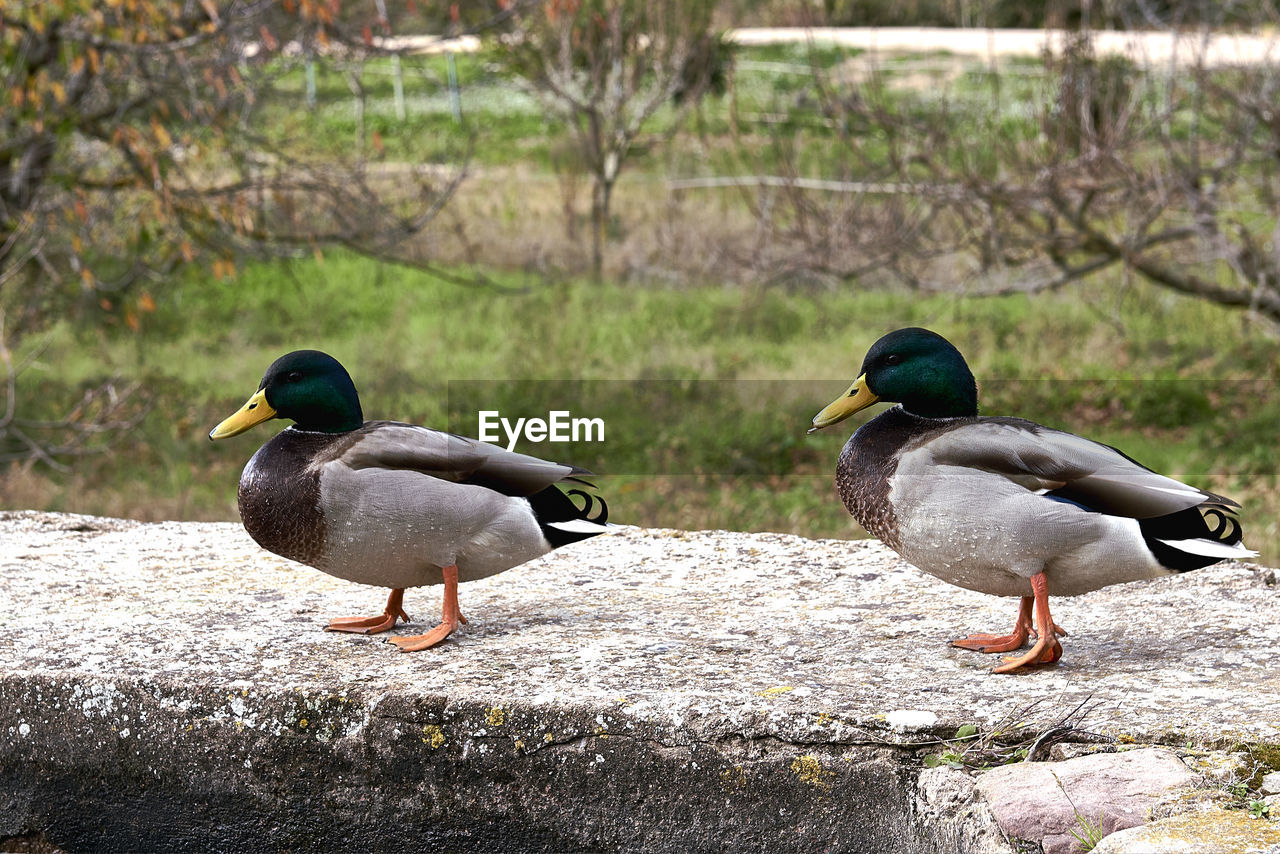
{"x":255,"y":411}
{"x":856,"y":399}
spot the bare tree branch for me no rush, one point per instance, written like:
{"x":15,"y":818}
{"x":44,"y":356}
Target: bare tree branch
{"x":606,"y":67}
{"x":1169,"y":177}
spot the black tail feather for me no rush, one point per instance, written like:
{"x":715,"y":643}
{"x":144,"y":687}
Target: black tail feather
{"x":552,"y":505}
{"x":590,"y":501}
{"x":1208,"y":521}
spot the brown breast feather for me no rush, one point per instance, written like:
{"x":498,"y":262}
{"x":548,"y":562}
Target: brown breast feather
{"x":869,"y":461}
{"x":279,"y":494}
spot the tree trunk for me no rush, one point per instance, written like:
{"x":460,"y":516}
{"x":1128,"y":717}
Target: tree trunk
{"x":601,"y":194}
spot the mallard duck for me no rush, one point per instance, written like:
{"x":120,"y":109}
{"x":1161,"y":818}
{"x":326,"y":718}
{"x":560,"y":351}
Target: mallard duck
{"x":1006,"y":506}
{"x":391,"y":504}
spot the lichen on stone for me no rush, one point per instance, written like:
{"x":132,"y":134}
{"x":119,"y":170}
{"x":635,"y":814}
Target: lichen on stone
{"x":809,"y":769}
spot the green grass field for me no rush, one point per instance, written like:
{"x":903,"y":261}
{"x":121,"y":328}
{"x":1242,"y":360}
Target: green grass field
{"x":1183,"y":386}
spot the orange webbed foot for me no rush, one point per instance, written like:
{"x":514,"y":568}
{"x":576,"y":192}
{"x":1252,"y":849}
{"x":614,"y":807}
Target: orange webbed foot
{"x":1002,"y":643}
{"x":991,"y":643}
{"x":415,"y":643}
{"x":373,"y":625}
{"x":1041,"y":653}
{"x":450,"y":618}
{"x":1046,"y":650}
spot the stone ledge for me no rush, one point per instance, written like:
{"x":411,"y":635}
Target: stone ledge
{"x":1214,"y":831}
{"x":168,"y":686}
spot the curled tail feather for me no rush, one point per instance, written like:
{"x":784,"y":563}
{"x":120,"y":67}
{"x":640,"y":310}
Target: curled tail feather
{"x":563,"y":521}
{"x":1196,"y":537}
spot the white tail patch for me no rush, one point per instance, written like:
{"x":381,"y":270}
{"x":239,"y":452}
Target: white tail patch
{"x":580,"y":526}
{"x":1210,"y":548}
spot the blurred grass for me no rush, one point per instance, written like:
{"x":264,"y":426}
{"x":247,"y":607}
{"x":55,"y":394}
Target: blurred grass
{"x":502,"y":121}
{"x":1183,"y":386}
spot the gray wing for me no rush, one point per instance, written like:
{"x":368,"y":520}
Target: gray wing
{"x":1066,"y":466}
{"x":392,"y":445}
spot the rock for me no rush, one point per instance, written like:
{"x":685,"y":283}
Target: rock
{"x":1220,"y":768}
{"x":1046,"y":802}
{"x":947,"y":803}
{"x":944,"y":792}
{"x":1206,"y":795}
{"x":1217,"y":831}
{"x":1070,"y":750}
{"x":911,"y":720}
{"x":170,"y":687}
{"x":1271,"y":784}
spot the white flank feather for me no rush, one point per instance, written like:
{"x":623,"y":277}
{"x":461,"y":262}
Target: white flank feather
{"x":1210,"y":548}
{"x":579,"y":526}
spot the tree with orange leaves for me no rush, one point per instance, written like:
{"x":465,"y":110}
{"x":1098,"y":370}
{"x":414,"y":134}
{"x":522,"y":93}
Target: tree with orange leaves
{"x":131,"y":144}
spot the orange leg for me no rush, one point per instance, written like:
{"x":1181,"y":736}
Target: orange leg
{"x":1046,"y":650}
{"x":1002,"y":643}
{"x":450,"y":617}
{"x":373,"y":625}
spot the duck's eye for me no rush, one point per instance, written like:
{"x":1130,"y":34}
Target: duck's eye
{"x":293,"y":376}
{"x":892,"y":359}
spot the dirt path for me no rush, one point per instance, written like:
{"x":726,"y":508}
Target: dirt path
{"x":1154,"y":48}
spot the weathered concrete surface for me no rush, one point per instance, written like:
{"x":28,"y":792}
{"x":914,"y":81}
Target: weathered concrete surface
{"x":168,"y":686}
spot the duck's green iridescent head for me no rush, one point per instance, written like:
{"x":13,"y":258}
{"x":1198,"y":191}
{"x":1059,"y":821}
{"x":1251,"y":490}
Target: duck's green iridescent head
{"x":307,"y":386}
{"x":915,"y":367}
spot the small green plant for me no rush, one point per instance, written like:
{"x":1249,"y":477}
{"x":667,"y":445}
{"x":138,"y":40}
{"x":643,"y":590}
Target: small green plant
{"x":1015,"y":738}
{"x":1087,"y":833}
{"x":1246,"y":797}
{"x":953,"y":758}
{"x":949,"y":758}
